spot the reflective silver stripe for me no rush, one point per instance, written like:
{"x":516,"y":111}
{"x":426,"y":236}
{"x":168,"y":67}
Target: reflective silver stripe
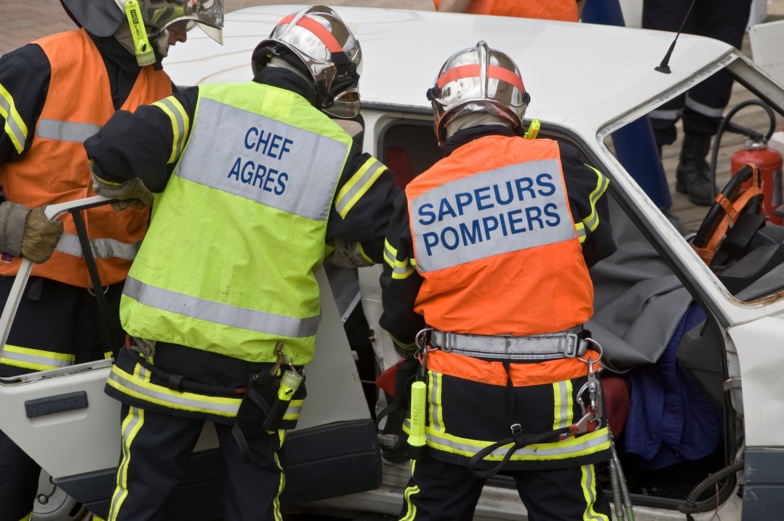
{"x":400,"y":269}
{"x":65,"y":130}
{"x":499,"y":211}
{"x":131,"y":425}
{"x":263,"y":160}
{"x":581,"y":233}
{"x":587,"y":444}
{"x":166,"y":397}
{"x":701,"y":108}
{"x":562,"y":395}
{"x":589,"y":493}
{"x":293,"y":410}
{"x":440,"y":439}
{"x":359,"y":183}
{"x":668,"y":115}
{"x":435,"y":401}
{"x":219,"y":313}
{"x":549,"y":346}
{"x":14,"y":125}
{"x":35,"y":358}
{"x":180,"y":125}
{"x":390,"y":254}
{"x":102,"y":248}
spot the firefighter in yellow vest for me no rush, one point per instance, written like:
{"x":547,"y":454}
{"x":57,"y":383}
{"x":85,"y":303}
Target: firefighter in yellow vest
{"x":486,"y":282}
{"x":255,"y":185}
{"x":54,"y":93}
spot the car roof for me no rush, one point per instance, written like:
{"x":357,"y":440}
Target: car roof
{"x":580,"y":76}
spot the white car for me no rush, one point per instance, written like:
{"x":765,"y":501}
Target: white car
{"x":693,"y":353}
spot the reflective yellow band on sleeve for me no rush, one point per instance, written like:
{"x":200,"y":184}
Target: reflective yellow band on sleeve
{"x":358,"y":185}
{"x":14,"y":126}
{"x":180,"y":125}
{"x":592,"y":221}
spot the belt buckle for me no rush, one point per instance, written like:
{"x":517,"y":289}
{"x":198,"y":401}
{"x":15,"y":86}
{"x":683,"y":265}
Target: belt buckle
{"x":572,"y":345}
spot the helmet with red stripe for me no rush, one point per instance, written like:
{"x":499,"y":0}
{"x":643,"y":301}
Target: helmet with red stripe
{"x":328,"y":49}
{"x":478,"y":80}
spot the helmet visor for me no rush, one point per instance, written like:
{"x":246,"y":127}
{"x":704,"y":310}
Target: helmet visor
{"x":208,"y":14}
{"x":345,"y":105}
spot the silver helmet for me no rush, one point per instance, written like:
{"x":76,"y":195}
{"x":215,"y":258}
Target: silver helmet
{"x":103,"y":17}
{"x":478,"y":79}
{"x":320,"y":39}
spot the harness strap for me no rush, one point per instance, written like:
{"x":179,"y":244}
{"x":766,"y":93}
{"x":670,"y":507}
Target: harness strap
{"x":518,"y":438}
{"x":105,"y":324}
{"x":519,"y":441}
{"x":182,"y":384}
{"x":236,"y":430}
{"x":549,"y":346}
{"x":731,"y":211}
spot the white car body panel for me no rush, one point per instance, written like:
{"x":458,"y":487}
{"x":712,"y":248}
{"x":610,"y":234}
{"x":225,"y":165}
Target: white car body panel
{"x":586,"y":81}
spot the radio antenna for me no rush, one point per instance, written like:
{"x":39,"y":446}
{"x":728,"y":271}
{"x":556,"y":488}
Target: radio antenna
{"x":664,"y":66}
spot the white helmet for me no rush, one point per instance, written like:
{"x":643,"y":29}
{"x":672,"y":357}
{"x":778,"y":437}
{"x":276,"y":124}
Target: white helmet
{"x":320,"y":39}
{"x":103,"y":17}
{"x":474,"y":80}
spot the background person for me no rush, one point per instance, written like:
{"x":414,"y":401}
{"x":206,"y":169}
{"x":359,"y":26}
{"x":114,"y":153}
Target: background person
{"x":54,"y":93}
{"x":489,"y":250}
{"x":256,"y":183}
{"x":702,"y":106}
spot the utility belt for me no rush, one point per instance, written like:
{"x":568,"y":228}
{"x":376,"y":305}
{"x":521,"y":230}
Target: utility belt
{"x":265,"y":401}
{"x":570,"y":343}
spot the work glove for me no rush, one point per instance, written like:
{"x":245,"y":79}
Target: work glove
{"x":348,"y":254}
{"x":129,"y":194}
{"x":28,"y":233}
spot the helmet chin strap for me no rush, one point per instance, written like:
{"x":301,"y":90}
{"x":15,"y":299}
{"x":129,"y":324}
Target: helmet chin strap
{"x":161,"y":43}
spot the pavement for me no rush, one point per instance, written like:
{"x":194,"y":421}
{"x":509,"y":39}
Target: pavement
{"x":22,"y":21}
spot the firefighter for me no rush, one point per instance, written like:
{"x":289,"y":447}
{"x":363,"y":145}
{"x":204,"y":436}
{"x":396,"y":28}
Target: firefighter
{"x":486,"y":281}
{"x":255,"y":184}
{"x":54,"y":93}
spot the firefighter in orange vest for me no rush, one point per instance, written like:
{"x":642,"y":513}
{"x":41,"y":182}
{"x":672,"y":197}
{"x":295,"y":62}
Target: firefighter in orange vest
{"x":486,"y":282}
{"x":564,"y":10}
{"x":54,"y":93}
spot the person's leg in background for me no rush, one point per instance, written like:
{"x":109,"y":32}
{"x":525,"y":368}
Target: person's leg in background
{"x":702,"y":106}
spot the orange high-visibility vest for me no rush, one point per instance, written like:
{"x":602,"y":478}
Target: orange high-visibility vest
{"x":565,"y":10}
{"x":496,"y":243}
{"x":55,"y":168}
{"x":499,"y":253}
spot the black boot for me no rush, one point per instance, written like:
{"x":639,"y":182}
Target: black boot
{"x":691,"y":177}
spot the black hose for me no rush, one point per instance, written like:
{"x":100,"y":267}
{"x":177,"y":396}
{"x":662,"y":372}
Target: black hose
{"x":688,"y":506}
{"x":726,"y":124}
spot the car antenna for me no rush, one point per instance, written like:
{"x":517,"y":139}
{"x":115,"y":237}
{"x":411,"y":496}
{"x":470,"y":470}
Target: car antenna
{"x":664,"y":65}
